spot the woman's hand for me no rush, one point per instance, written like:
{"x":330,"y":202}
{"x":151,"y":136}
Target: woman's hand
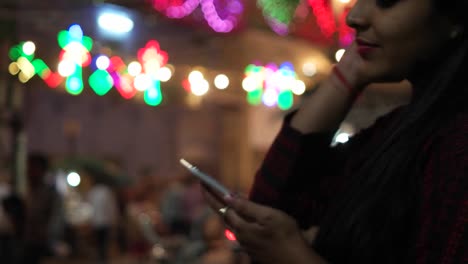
{"x":268,"y":235}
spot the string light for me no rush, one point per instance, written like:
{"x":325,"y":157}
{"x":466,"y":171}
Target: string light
{"x":145,"y":74}
{"x":222,"y":16}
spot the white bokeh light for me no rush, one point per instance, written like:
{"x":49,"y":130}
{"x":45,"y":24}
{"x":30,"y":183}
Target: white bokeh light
{"x":221,"y":81}
{"x":164,"y":74}
{"x":270,"y":97}
{"x":309,"y":69}
{"x":298,"y":87}
{"x":200,"y":87}
{"x":195,"y":76}
{"x":66,"y":68}
{"x":73,"y":179}
{"x":117,"y":23}
{"x":143,"y":82}
{"x":102,"y":62}
{"x":339,"y":54}
{"x":29,"y":48}
{"x":249,"y":84}
{"x":134,"y":68}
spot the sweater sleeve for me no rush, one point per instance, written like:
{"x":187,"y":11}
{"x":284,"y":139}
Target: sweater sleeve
{"x":301,"y":172}
{"x":443,"y":232}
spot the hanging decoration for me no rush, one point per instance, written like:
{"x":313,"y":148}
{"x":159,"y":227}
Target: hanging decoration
{"x":278,"y":13}
{"x":272,"y":85}
{"x":143,"y":75}
{"x":331,"y":23}
{"x":323,"y":12}
{"x":25,"y":65}
{"x":221,"y":15}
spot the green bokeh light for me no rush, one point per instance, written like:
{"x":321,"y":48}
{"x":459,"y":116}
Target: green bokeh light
{"x":101,"y":82}
{"x":153,"y":96}
{"x":285,"y":100}
{"x":255,"y":97}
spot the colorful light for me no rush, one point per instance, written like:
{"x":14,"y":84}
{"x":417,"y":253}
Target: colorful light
{"x":221,"y":15}
{"x":324,"y":14}
{"x":144,"y":75}
{"x":272,"y":85}
{"x":279,"y":11}
{"x":229,"y":235}
{"x":214,"y":19}
{"x":153,"y":96}
{"x":101,"y":82}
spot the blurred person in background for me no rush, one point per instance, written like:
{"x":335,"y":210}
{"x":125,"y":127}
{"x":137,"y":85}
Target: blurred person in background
{"x":173,"y":206}
{"x":397,"y":192}
{"x":11,"y":220}
{"x":104,"y":216}
{"x":43,"y":228}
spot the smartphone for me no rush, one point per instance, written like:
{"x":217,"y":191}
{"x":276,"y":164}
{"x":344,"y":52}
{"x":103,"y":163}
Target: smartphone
{"x":205,"y":178}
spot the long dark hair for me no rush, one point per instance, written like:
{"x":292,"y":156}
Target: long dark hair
{"x":374,"y":220}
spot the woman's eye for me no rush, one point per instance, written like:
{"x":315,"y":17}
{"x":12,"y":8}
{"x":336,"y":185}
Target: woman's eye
{"x":386,"y":3}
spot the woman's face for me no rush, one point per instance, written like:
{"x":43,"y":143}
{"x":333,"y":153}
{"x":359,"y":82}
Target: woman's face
{"x":394,"y":36}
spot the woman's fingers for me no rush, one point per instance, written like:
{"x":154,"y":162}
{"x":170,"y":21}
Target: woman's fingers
{"x":249,"y":210}
{"x":213,"y":201}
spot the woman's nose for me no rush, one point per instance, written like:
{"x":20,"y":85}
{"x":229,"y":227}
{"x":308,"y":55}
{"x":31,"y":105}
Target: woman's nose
{"x":359,"y":16}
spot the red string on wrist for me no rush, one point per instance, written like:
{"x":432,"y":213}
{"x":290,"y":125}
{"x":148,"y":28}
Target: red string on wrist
{"x":343,"y":80}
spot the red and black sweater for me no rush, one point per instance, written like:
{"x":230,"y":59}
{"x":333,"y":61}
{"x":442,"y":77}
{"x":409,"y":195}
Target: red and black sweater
{"x":307,"y":162}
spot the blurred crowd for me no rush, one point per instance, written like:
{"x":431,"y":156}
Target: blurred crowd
{"x":87,"y":219}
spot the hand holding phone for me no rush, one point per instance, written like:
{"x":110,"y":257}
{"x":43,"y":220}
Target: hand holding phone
{"x":205,"y":178}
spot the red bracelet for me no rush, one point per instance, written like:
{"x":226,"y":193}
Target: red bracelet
{"x":343,"y":80}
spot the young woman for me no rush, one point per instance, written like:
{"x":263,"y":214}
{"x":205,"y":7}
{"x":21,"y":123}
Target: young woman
{"x":398,"y":191}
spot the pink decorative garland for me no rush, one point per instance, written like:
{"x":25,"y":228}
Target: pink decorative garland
{"x":176,"y":9}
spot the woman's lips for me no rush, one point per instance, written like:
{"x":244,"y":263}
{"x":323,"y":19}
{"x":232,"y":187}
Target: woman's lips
{"x":365,"y":47}
{"x":364,"y":51}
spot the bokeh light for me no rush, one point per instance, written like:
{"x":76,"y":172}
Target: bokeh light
{"x":164,"y":74}
{"x":134,"y":68}
{"x":29,"y":48}
{"x":221,"y":81}
{"x":66,"y":68}
{"x":73,"y":179}
{"x":309,"y":69}
{"x":339,"y":54}
{"x":200,"y":87}
{"x":195,"y":76}
{"x":102,"y":62}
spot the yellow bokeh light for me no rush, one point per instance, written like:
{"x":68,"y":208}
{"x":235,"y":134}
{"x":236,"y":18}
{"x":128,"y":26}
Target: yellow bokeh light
{"x":13,"y":68}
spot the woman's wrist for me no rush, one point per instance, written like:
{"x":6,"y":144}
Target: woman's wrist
{"x":345,"y":83}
